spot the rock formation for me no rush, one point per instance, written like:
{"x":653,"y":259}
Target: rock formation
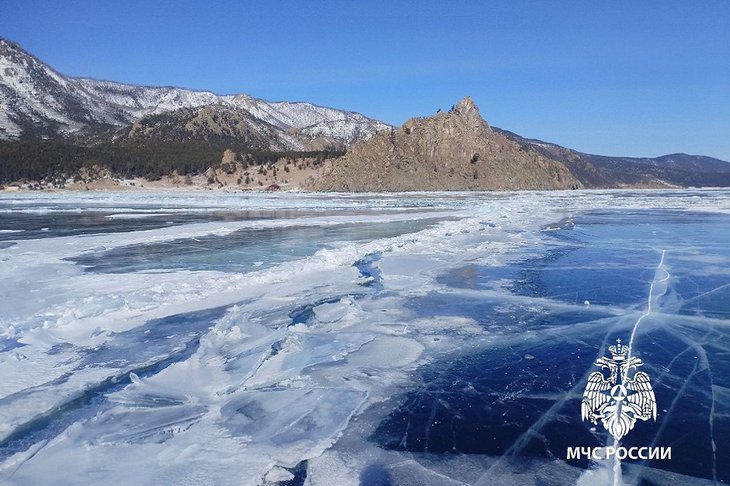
{"x":457,"y":150}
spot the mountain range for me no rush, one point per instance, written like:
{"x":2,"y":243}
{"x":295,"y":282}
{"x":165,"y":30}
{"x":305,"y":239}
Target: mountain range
{"x":37,"y":102}
{"x":454,"y":150}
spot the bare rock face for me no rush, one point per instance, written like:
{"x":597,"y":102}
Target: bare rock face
{"x":229,"y":157}
{"x":449,"y":151}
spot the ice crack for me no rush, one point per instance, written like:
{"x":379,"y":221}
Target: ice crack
{"x":650,"y":299}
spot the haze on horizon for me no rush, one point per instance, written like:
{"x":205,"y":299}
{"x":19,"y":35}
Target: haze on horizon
{"x":625,"y":78}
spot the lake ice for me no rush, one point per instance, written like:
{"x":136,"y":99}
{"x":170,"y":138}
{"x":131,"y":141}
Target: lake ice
{"x":374,"y":339}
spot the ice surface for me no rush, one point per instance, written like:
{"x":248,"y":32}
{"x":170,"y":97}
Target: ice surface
{"x":428,"y":338}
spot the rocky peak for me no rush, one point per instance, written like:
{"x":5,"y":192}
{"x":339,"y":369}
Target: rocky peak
{"x":455,"y":150}
{"x":467,"y":110}
{"x":466,"y":105}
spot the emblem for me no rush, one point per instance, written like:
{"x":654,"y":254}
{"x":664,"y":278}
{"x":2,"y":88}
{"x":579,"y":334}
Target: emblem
{"x":621,"y":398}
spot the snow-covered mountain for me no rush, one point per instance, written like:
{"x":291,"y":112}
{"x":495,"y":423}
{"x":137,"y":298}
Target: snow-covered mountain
{"x":38,"y":102}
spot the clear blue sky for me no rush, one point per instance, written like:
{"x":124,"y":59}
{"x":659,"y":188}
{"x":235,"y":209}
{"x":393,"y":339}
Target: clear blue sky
{"x":638,"y":77}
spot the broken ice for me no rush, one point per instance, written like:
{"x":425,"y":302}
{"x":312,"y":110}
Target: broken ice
{"x":429,"y":338}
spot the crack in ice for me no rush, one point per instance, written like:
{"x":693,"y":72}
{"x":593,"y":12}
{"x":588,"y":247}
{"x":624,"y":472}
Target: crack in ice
{"x":649,"y":301}
{"x":617,"y":476}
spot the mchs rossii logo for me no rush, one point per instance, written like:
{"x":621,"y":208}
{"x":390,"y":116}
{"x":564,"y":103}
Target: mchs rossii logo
{"x":620,"y":398}
{"x":617,"y":396}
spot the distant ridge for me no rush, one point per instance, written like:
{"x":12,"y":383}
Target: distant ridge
{"x":600,"y":171}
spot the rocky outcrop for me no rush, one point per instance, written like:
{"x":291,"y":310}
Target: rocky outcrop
{"x":449,"y":151}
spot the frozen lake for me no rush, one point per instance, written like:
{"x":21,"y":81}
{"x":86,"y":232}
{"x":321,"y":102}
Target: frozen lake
{"x":375,"y":339}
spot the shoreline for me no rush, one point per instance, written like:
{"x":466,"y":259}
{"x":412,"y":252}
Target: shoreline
{"x":155,"y":186}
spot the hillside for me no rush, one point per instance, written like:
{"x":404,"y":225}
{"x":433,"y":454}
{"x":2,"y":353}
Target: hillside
{"x":600,"y":171}
{"x":39,"y":103}
{"x":457,"y":150}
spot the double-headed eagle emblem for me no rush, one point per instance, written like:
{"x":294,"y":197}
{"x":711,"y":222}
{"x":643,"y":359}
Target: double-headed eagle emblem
{"x":620,"y":398}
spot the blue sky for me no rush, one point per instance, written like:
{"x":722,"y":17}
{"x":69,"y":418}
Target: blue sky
{"x":622,"y":77}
